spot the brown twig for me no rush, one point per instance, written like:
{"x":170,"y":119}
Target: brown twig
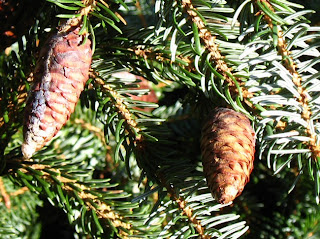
{"x":209,"y":40}
{"x":89,"y":4}
{"x":19,"y":192}
{"x":4,"y":194}
{"x":141,"y":16}
{"x":16,"y":193}
{"x":159,"y":56}
{"x":182,"y":203}
{"x":116,"y":13}
{"x":88,"y":126}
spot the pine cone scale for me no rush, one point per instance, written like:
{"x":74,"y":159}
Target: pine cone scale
{"x":56,"y":107}
{"x":69,"y":59}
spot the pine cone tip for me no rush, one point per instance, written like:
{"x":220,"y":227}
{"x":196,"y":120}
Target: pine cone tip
{"x":226,"y":194}
{"x":27,"y":150}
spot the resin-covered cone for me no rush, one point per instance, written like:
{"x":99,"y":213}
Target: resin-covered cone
{"x":227,"y":147}
{"x":59,"y":78}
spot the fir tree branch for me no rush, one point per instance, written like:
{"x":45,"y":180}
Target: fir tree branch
{"x":92,"y":202}
{"x":290,"y":64}
{"x":189,"y":213}
{"x":182,"y":204}
{"x":116,"y":13}
{"x":155,"y":56}
{"x":78,"y":20}
{"x":213,"y":48}
{"x":160,"y":56}
{"x":122,"y":109}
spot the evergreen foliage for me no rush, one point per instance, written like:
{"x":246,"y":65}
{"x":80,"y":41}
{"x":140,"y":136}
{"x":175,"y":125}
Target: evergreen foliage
{"x":128,"y":164}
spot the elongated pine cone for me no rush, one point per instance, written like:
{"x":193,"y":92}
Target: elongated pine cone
{"x":227,"y":148}
{"x":59,"y":77}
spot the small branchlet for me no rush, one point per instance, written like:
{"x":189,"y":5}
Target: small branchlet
{"x":131,"y":124}
{"x":182,"y":204}
{"x":92,"y":202}
{"x":210,"y":43}
{"x":290,"y":64}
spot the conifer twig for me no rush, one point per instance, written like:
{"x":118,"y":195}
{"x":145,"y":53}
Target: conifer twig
{"x":16,"y":193}
{"x":116,"y":13}
{"x":208,"y":39}
{"x":210,"y":43}
{"x":159,"y":56}
{"x":122,"y":109}
{"x":4,"y":194}
{"x":88,"y":126}
{"x":19,"y":191}
{"x":104,"y":211}
{"x":189,"y":213}
{"x":141,"y":16}
{"x":291,"y":66}
{"x":77,"y":20}
{"x":182,"y":204}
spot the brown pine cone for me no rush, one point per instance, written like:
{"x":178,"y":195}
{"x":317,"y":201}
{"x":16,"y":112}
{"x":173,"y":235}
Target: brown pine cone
{"x":227,"y":147}
{"x":60,"y":75}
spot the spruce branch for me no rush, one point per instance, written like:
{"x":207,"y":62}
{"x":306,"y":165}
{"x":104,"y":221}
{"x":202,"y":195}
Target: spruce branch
{"x":22,"y":219}
{"x":122,"y":109}
{"x":187,"y":210}
{"x":211,"y":45}
{"x":78,"y":191}
{"x":77,"y":17}
{"x":290,"y":64}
